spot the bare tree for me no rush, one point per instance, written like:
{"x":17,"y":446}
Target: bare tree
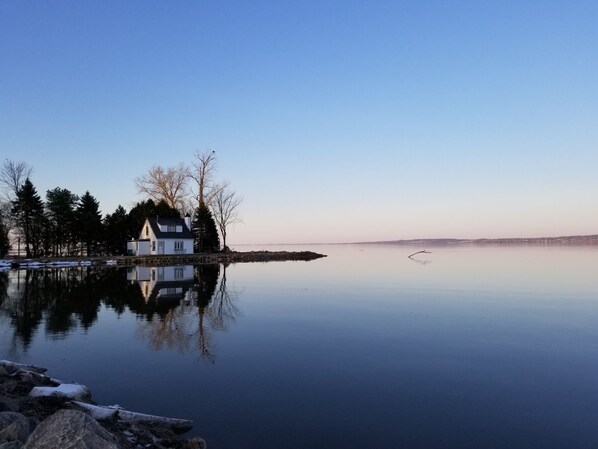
{"x":169,"y":184}
{"x":202,"y":173}
{"x":13,"y":175}
{"x":225,"y":207}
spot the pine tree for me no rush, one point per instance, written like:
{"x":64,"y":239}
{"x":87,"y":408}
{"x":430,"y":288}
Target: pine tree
{"x":115,"y":231}
{"x":205,"y":231}
{"x":60,"y":206}
{"x":163,"y":209}
{"x":89,"y":222}
{"x":28,"y":211}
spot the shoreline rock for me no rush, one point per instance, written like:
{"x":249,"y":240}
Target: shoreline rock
{"x":38,"y":412}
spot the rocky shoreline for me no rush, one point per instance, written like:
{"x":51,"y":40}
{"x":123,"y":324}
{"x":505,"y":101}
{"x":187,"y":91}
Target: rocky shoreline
{"x":38,"y":412}
{"x":227,"y":257}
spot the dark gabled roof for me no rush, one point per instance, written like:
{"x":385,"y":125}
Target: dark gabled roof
{"x":156,"y":221}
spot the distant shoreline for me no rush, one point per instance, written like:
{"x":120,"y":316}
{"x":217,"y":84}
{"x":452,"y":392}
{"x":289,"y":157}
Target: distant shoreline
{"x":572,"y":240}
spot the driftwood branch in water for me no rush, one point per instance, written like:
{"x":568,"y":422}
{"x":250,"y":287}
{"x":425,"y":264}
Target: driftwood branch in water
{"x":419,"y":252}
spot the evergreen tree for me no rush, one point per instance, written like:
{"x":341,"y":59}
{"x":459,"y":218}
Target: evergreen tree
{"x":115,"y":231}
{"x":163,"y":209}
{"x":205,"y":233}
{"x":89,"y":223}
{"x":145,"y":209}
{"x":60,"y":206}
{"x":28,"y":211}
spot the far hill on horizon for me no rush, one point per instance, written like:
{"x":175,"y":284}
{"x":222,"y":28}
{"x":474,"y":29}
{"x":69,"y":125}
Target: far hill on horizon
{"x":563,"y":240}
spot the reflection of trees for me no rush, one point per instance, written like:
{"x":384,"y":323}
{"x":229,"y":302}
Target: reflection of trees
{"x":219,"y":313}
{"x":69,"y":299}
{"x":64,"y":298}
{"x":173,"y":329}
{"x":222,"y":311}
{"x":206,"y":279}
{"x":185,"y":328}
{"x":3,"y":286}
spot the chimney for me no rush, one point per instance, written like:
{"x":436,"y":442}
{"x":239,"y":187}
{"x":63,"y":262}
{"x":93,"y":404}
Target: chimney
{"x":188,"y":221}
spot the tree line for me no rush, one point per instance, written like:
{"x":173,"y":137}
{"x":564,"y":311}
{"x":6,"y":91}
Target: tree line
{"x":67,"y":224}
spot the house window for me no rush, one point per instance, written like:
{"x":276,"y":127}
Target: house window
{"x":171,"y":228}
{"x":178,"y":246}
{"x":178,"y":273}
{"x":153,"y":245}
{"x":146,"y":230}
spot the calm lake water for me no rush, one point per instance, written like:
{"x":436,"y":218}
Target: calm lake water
{"x":462,"y":348}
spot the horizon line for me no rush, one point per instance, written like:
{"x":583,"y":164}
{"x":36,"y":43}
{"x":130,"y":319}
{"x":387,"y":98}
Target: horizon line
{"x":435,"y":239}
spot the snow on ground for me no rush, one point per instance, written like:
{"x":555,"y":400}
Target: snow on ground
{"x":71,"y":391}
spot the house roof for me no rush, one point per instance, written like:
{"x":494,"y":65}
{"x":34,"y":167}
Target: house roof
{"x":154,"y":222}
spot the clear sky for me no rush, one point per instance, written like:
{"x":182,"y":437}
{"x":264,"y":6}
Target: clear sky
{"x":335,"y":120}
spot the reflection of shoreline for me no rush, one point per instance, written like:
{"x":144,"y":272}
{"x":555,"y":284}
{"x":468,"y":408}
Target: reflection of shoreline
{"x":179,"y":307}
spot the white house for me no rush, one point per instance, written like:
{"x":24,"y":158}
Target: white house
{"x":161,"y":235}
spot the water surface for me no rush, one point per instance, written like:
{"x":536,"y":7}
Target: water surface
{"x":463,"y":348}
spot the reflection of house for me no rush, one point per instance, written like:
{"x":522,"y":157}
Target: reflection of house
{"x":163,"y":283}
{"x":163,"y":236}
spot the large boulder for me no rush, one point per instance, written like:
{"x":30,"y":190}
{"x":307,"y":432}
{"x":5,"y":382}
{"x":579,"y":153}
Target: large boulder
{"x":15,"y":427}
{"x":70,"y":429}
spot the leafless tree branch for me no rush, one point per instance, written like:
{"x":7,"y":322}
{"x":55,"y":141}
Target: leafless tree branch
{"x":225,"y":208}
{"x":169,"y":184}
{"x":419,"y":252}
{"x":202,"y":172}
{"x":12,"y":177}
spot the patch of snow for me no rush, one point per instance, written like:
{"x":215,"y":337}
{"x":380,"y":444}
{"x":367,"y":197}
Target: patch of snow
{"x":70,"y":391}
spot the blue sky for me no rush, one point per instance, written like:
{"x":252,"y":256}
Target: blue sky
{"x":335,"y":120}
